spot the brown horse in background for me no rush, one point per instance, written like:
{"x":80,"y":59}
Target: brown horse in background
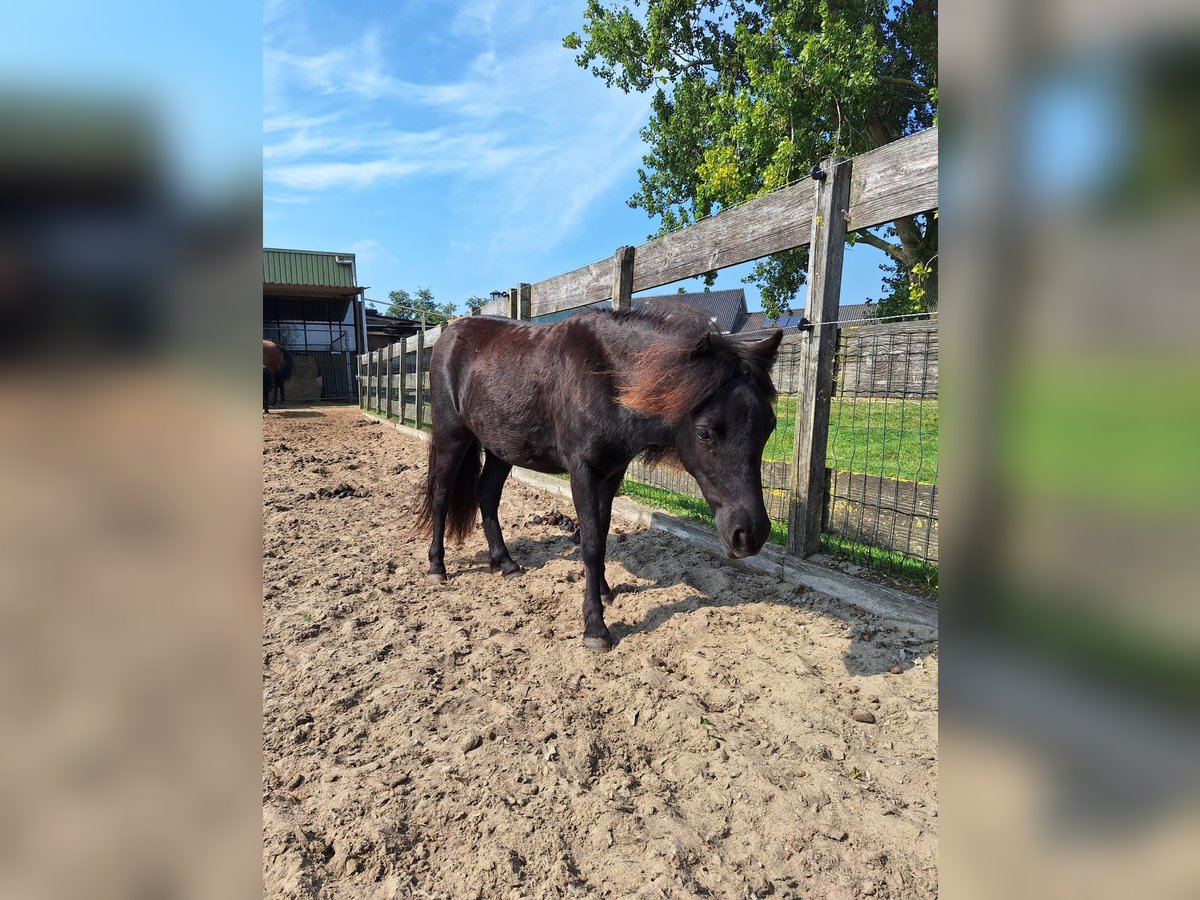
{"x":278,"y":362}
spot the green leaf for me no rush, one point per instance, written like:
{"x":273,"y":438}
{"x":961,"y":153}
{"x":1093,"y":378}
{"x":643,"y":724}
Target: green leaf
{"x":746,"y":97}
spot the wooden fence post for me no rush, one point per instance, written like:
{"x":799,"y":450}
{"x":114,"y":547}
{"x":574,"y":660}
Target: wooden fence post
{"x":524,"y":302}
{"x":418,"y":417}
{"x":403,"y":376}
{"x":513,"y":309}
{"x":622,"y":286}
{"x":372,"y":380}
{"x":812,"y":403}
{"x":379,"y":381}
{"x":388,"y":412}
{"x":375,"y":378}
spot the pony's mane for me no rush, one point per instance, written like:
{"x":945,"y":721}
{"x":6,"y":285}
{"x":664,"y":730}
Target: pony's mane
{"x":686,"y":362}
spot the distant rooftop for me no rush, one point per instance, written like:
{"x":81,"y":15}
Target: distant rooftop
{"x":850,"y":312}
{"x":309,"y":268}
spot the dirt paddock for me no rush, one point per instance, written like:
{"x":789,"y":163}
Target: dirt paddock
{"x":745,"y":738}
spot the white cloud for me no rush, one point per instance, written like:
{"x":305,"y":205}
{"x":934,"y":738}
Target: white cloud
{"x":515,"y":125}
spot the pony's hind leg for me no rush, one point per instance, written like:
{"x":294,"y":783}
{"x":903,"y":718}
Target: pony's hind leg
{"x":491,"y":484}
{"x":446,"y":469}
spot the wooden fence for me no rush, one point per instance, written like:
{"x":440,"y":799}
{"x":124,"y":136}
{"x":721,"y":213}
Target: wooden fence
{"x":900,"y":179}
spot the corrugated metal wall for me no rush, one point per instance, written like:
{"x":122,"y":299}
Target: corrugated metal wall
{"x":299,"y":267}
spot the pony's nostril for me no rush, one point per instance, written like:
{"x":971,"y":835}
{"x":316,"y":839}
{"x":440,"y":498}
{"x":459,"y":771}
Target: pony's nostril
{"x":739,"y":539}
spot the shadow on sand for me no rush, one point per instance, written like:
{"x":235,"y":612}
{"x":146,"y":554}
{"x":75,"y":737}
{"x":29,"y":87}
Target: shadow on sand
{"x":641,"y":554}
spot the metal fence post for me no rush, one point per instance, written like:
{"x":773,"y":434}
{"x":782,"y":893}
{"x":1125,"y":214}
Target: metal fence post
{"x":419,"y":416}
{"x":826,"y":252}
{"x":622,"y":286}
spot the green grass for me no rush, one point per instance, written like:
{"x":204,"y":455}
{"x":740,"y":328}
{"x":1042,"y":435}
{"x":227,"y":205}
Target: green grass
{"x":917,"y":572}
{"x":873,"y":435}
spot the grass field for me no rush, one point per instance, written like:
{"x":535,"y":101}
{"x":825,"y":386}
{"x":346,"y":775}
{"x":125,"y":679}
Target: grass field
{"x":874,"y":435}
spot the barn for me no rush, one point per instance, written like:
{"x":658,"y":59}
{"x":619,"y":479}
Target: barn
{"x":312,"y":305}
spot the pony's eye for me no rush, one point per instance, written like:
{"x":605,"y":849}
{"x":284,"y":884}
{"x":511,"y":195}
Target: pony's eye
{"x":704,"y":434}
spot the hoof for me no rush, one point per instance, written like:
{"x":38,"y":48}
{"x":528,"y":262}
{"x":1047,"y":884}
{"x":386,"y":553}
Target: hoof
{"x":433,"y":578}
{"x":498,"y":569}
{"x":598,"y":644}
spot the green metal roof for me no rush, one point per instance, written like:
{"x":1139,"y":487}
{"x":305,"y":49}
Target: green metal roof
{"x":309,"y":267}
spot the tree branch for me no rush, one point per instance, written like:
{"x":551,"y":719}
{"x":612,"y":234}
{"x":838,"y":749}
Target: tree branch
{"x":910,"y":237}
{"x":903,"y":82}
{"x":879,"y":243}
{"x":878,"y":132}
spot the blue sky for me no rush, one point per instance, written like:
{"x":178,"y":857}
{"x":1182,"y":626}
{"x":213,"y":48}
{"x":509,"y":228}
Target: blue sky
{"x":455,"y":146}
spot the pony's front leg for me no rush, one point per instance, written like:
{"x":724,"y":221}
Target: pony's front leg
{"x":587,"y":489}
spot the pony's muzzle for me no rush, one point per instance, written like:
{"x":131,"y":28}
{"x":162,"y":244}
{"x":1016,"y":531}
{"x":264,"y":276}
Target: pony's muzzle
{"x":745,"y":536}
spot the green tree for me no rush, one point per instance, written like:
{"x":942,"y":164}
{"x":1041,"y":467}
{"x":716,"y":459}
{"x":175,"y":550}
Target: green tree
{"x":474,"y":304}
{"x":748,"y":96}
{"x":409,"y":306}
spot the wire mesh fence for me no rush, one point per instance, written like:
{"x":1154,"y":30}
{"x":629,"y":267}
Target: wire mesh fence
{"x":882,"y":457}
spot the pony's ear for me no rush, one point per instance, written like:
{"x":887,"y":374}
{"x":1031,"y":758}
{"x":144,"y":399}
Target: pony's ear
{"x":703,"y":346}
{"x":760,"y":354}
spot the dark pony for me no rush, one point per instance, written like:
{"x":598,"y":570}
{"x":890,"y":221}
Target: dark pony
{"x":278,"y":363}
{"x":585,"y":396}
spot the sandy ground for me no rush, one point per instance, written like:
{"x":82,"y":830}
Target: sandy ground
{"x":744,"y":738}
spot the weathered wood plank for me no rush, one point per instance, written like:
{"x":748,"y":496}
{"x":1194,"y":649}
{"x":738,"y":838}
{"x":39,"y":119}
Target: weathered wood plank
{"x":403,"y":376}
{"x":622,"y":284}
{"x":769,"y":224}
{"x":896,"y":180}
{"x":388,"y":383}
{"x":524,"y":301}
{"x":494,"y":307}
{"x":587,"y":284}
{"x":419,"y":415}
{"x":816,"y":386}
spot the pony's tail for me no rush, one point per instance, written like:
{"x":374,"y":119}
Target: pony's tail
{"x":285,"y":366}
{"x":462,"y":504}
